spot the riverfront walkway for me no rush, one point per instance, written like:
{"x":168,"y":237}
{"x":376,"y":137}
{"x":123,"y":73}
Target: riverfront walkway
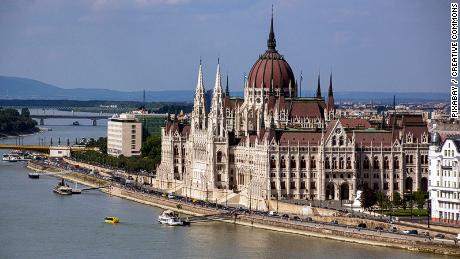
{"x":42,"y":148}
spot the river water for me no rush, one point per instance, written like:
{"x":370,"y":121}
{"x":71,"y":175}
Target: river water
{"x":36,"y":223}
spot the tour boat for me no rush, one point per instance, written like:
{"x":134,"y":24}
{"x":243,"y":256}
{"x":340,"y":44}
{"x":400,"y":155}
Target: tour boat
{"x":34,"y":175}
{"x":16,"y":156}
{"x":62,"y":188}
{"x":171,"y":218}
{"x":111,"y":219}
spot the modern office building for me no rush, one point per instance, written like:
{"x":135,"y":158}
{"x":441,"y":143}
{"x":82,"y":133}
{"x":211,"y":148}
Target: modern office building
{"x":124,"y":135}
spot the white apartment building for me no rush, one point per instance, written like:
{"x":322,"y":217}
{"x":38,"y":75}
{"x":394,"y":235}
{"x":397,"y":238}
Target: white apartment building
{"x":444,"y":177}
{"x":124,"y":135}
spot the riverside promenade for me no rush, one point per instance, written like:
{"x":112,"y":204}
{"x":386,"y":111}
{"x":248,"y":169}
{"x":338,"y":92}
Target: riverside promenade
{"x":346,"y":233}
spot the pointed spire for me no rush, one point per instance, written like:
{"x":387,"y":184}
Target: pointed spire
{"x":318,"y":89}
{"x":271,"y":42}
{"x":218,"y":85}
{"x":200,"y":84}
{"x":227,"y":91}
{"x":330,"y":93}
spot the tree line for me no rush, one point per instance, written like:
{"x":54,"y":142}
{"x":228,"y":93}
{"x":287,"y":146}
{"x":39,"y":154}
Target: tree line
{"x":14,"y":123}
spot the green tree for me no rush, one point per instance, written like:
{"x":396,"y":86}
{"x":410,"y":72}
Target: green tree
{"x":25,"y":112}
{"x":420,"y":199}
{"x":368,"y":198}
{"x":396,"y":199}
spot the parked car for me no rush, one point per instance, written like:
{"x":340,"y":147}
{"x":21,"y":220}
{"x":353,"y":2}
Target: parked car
{"x":171,"y":196}
{"x":296,"y":218}
{"x":425,"y":233}
{"x":285,"y":216}
{"x":272,"y":213}
{"x":308,"y":219}
{"x":379,"y":228}
{"x":457,"y":237}
{"x":410,"y":232}
{"x":362,"y":225}
{"x":335,"y":222}
{"x":440,"y":236}
{"x":393,"y":229}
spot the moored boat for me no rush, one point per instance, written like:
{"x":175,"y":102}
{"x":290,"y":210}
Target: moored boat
{"x":171,"y":218}
{"x":62,"y":188}
{"x":34,"y":175}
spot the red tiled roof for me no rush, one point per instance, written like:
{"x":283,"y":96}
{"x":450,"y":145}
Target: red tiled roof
{"x":350,"y":123}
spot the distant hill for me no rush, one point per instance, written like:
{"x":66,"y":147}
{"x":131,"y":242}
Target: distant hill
{"x":24,"y":88}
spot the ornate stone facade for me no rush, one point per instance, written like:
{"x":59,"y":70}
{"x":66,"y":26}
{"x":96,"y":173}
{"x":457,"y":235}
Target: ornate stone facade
{"x":272,"y":144}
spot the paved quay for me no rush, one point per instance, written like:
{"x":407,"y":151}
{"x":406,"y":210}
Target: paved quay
{"x":314,"y":229}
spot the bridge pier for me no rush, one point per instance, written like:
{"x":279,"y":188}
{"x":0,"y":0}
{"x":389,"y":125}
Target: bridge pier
{"x":94,"y":122}
{"x":42,"y":121}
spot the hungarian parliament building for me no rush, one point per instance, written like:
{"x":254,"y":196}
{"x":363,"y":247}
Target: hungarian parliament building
{"x":272,"y":144}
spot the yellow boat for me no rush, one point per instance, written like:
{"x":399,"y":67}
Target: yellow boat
{"x":110,"y":219}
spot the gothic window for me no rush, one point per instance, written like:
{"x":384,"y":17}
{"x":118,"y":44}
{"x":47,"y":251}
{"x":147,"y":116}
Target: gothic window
{"x":341,"y":141}
{"x":176,"y":150}
{"x":366,"y":163}
{"x":283,"y":185}
{"x":292,"y":185}
{"x":283,"y":162}
{"x":386,"y":163}
{"x":334,"y":142}
{"x":376,"y":163}
{"x":396,"y":163}
{"x":219,"y":157}
{"x":313,"y":163}
{"x":334,"y":163}
{"x":272,"y":185}
{"x":293,"y":164}
{"x":303,"y":163}
{"x":272,"y":162}
{"x":327,"y":163}
{"x":341,"y":163}
{"x":348,"y":162}
{"x":302,"y":185}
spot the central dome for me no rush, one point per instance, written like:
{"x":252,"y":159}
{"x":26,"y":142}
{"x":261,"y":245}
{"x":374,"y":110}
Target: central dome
{"x":271,"y":66}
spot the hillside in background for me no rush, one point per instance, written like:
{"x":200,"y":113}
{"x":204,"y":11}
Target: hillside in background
{"x":29,"y":89}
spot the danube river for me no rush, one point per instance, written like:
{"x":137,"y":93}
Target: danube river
{"x":36,"y":223}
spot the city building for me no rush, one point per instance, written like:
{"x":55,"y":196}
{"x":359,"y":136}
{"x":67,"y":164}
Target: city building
{"x":152,"y":122}
{"x":59,"y":151}
{"x":124,"y":135}
{"x":274,"y":144}
{"x":444,"y":187}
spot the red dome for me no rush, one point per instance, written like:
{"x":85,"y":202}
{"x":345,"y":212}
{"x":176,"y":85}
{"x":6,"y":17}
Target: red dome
{"x":271,"y":65}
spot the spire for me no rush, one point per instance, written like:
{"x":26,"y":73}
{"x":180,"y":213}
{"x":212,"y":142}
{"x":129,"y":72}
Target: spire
{"x":227,"y":92}
{"x":200,"y":85}
{"x":271,"y":42}
{"x":218,"y":85}
{"x":330,"y":93}
{"x":318,"y":90}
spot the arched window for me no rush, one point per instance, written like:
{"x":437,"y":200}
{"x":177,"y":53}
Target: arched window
{"x":334,"y":142}
{"x":293,"y":163}
{"x":386,"y":163}
{"x":176,"y":150}
{"x":348,"y":162}
{"x":376,"y":163}
{"x":366,"y":163}
{"x":396,"y":163}
{"x":334,"y":163}
{"x":219,"y":157}
{"x":341,"y":141}
{"x":283,"y":162}
{"x":341,"y":163}
{"x":303,"y":163}
{"x":313,"y":163}
{"x":272,"y":162}
{"x":327,"y":164}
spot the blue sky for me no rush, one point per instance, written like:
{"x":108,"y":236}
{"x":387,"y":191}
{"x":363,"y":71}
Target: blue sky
{"x":390,"y":45}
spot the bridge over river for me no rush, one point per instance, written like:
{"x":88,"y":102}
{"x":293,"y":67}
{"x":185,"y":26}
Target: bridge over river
{"x":93,"y":118}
